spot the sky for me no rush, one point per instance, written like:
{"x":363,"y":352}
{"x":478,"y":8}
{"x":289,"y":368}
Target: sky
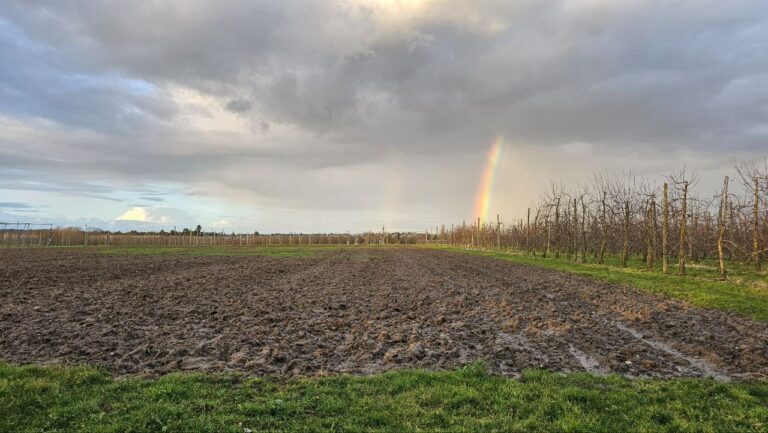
{"x":346,"y":115}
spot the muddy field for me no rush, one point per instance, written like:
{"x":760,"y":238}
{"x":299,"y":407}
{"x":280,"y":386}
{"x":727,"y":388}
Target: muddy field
{"x":360,"y":310}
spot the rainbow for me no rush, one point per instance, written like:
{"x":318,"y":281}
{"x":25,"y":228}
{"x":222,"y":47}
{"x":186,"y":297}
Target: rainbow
{"x":483,"y":198}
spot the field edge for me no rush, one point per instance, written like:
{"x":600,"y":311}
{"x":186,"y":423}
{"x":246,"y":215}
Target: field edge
{"x":58,"y":398}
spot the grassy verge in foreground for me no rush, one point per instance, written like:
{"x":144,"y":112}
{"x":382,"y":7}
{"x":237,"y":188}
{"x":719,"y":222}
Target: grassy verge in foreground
{"x":275,"y":251}
{"x":744,"y":293}
{"x":83,"y":399}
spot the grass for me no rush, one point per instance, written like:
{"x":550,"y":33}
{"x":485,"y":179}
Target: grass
{"x":82,"y":399}
{"x":744,"y":293}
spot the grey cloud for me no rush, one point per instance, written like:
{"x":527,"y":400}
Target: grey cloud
{"x":53,"y":181}
{"x":644,"y":72}
{"x":37,"y":80}
{"x":16,"y":205}
{"x":239,"y":105}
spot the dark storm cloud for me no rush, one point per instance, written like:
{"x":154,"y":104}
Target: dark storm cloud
{"x":334,"y":84}
{"x":554,"y":71}
{"x":689,"y":72}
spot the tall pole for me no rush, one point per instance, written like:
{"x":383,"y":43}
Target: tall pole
{"x":651,"y":234}
{"x":665,"y":232}
{"x":756,"y":226}
{"x":575,"y":232}
{"x":721,"y":228}
{"x":625,"y":251}
{"x":557,"y":229}
{"x":528,"y":234}
{"x":603,"y":231}
{"x":583,"y":231}
{"x":548,"y":226}
{"x":683,"y":235}
{"x":479,"y":242}
{"x":498,"y":232}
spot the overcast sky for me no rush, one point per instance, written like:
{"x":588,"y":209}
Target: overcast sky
{"x":344,"y":115}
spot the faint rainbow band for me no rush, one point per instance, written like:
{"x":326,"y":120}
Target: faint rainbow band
{"x":485,"y":189}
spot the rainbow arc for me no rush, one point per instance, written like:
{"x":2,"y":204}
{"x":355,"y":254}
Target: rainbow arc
{"x":485,"y":189}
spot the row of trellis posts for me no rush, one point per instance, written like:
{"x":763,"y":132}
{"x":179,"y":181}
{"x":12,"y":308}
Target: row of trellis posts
{"x":674,"y":227}
{"x":78,"y":237}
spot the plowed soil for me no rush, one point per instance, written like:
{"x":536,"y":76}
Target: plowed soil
{"x":356,"y":310}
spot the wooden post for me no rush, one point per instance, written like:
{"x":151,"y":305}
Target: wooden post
{"x":557,"y":229}
{"x":479,"y":239}
{"x":683,"y":235}
{"x":721,"y":228}
{"x":756,"y":226}
{"x":651,"y":234}
{"x":625,"y":250}
{"x":603,"y":232}
{"x":549,"y":236}
{"x":654,"y":228}
{"x":498,"y":232}
{"x":535,"y":231}
{"x":692,"y":238}
{"x":583,"y":231}
{"x":574,"y":232}
{"x":528,"y":234}
{"x":665,"y":231}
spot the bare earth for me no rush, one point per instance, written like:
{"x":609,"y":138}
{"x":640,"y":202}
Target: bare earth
{"x":359,"y":310}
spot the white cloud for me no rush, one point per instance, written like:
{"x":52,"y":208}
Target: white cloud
{"x":222,"y":224}
{"x":153,"y":215}
{"x":134,"y":214}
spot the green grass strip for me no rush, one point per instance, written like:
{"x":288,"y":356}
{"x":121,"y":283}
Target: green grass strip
{"x":82,"y":399}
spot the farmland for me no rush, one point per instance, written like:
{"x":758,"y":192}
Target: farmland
{"x":299,"y":320}
{"x":357,"y":310}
